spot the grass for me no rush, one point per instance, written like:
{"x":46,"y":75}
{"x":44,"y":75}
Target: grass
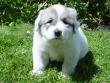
{"x":16,"y":58}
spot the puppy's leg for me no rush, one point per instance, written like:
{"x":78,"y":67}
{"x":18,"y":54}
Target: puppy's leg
{"x":69,"y":64}
{"x":40,"y":61}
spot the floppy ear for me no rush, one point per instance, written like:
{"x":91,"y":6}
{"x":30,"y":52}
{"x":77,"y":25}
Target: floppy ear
{"x":73,"y":15}
{"x":36,"y":24}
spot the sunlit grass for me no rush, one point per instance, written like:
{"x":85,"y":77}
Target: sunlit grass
{"x":16,"y":58}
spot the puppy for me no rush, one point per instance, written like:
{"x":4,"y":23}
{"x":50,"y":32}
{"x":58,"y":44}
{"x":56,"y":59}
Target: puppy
{"x":58,"y":37}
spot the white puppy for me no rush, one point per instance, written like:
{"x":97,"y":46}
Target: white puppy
{"x":58,"y":36}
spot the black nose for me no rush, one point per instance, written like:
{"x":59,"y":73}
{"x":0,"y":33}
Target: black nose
{"x":57,"y":33}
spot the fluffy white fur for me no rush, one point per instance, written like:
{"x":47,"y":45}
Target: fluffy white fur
{"x":70,"y":48}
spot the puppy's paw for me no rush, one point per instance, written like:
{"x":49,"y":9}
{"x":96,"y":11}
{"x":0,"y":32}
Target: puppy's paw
{"x":62,"y":75}
{"x":36,"y":72}
{"x":69,"y":70}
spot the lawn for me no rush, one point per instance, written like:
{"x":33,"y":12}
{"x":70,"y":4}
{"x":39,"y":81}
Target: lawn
{"x":16,"y":58}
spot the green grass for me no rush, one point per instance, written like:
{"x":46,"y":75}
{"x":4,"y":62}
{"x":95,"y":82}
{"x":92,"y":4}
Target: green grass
{"x":16,"y":58}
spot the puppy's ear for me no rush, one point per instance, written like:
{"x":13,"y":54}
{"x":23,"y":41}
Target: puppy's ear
{"x":37,"y":24}
{"x":73,"y":15}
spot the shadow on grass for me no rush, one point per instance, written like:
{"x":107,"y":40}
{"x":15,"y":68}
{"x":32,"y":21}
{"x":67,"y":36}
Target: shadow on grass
{"x":84,"y":70}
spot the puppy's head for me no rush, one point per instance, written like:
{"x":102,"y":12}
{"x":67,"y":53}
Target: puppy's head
{"x":57,"y":22}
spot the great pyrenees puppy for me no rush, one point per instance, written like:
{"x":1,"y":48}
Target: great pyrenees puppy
{"x":58,"y":37}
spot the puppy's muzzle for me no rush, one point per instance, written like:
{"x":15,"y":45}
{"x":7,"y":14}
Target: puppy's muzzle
{"x":58,"y":33}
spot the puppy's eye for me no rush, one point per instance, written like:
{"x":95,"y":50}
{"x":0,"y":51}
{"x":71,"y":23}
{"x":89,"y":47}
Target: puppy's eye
{"x":50,"y":21}
{"x":65,"y":21}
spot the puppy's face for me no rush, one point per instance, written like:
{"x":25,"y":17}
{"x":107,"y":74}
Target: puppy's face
{"x":56,"y":23}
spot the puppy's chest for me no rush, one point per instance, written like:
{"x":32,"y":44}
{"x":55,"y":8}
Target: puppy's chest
{"x":57,"y":53}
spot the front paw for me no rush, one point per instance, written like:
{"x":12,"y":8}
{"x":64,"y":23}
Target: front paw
{"x":68,"y":70}
{"x":36,"y":72}
{"x":62,"y":74}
